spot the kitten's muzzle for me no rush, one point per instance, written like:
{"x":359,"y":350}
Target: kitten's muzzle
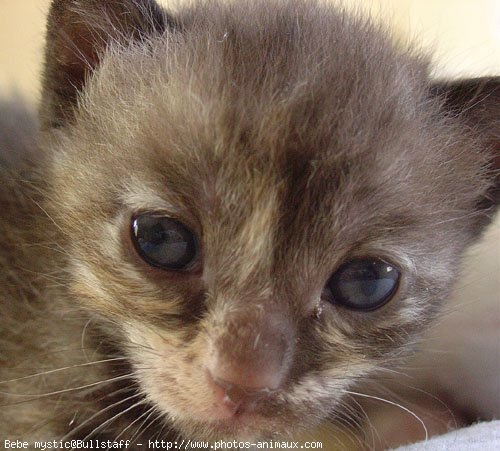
{"x":250,"y":360}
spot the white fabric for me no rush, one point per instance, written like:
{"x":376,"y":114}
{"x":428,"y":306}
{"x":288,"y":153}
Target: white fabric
{"x":479,"y":437}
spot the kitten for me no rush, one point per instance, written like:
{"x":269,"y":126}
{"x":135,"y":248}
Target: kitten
{"x":229,"y":216}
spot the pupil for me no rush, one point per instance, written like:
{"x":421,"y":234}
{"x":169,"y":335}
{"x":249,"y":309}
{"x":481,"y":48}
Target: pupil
{"x":367,"y":282}
{"x":157,"y":234}
{"x":363,"y":284}
{"x":163,"y":241}
{"x":368,"y":287}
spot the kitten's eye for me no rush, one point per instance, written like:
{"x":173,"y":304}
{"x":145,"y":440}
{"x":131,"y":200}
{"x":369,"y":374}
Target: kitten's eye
{"x":363,"y":284}
{"x":162,"y":241}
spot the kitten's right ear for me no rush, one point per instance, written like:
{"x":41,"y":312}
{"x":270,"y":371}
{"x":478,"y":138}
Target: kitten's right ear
{"x":78,"y":33}
{"x":476,"y":102}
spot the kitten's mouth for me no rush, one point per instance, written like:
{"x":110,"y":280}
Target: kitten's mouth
{"x":242,"y":424}
{"x":233,"y":412}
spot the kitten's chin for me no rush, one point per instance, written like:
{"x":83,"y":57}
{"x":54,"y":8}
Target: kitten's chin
{"x":245,"y":427}
{"x":213,"y":421}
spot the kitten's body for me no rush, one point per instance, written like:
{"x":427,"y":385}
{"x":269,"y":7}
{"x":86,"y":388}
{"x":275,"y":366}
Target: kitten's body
{"x":30,"y":310}
{"x":285,"y":160}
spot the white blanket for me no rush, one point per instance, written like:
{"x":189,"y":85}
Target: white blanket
{"x":479,"y":437}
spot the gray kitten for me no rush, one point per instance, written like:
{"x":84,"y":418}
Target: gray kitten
{"x":227,"y":218}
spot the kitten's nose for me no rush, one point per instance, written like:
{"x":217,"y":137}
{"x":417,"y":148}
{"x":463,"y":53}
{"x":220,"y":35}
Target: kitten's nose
{"x":250,"y":359}
{"x":237,"y":399}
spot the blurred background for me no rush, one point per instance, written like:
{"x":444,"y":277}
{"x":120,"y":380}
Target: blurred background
{"x":463,"y":36}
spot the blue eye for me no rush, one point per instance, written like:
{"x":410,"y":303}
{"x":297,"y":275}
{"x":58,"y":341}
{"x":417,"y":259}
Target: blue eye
{"x":363,"y":284}
{"x":163,"y":242}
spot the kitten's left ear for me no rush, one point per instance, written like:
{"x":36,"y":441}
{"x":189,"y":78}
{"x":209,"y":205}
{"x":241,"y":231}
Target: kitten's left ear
{"x":477,"y":103}
{"x":78,"y":34}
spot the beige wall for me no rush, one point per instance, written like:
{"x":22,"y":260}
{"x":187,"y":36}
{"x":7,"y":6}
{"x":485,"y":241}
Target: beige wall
{"x":465,"y":35}
{"x":21,"y":44}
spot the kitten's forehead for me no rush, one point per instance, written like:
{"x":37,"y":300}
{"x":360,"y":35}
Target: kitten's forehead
{"x":215,"y":110}
{"x":299,"y":81}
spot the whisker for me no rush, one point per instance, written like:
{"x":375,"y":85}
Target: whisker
{"x":44,"y":373}
{"x":97,"y":414}
{"x":390,"y":392}
{"x":160,"y":432}
{"x":338,"y":433}
{"x":153,"y":421}
{"x":47,"y":354}
{"x":148,"y":413}
{"x":144,"y":347}
{"x":64,"y":232}
{"x":362,"y":395}
{"x":373,"y":430}
{"x":114,"y":418}
{"x":82,"y":339}
{"x":67,"y":390}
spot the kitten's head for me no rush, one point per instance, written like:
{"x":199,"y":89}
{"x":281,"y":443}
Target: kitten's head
{"x":262,"y":202}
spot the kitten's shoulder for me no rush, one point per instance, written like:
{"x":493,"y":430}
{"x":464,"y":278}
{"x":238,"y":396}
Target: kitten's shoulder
{"x":31,"y":318}
{"x":21,"y":185}
{"x":18,"y":128}
{"x":20,"y":163}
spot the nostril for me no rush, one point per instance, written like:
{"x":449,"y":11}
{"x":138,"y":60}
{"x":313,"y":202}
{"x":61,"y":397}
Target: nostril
{"x":238,"y":394}
{"x":236,"y":397}
{"x":248,"y":376}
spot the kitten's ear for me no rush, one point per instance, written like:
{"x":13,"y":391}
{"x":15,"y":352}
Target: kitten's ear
{"x":477,"y":102}
{"x":78,"y":32}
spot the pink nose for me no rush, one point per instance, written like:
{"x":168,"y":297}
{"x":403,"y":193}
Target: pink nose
{"x":250,"y":358}
{"x":238,"y":398}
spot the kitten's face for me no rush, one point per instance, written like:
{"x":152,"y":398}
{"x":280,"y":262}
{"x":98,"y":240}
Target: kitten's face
{"x":281,"y":172}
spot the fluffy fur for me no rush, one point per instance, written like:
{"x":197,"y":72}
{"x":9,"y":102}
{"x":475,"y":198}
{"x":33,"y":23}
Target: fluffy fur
{"x":290,"y":137}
